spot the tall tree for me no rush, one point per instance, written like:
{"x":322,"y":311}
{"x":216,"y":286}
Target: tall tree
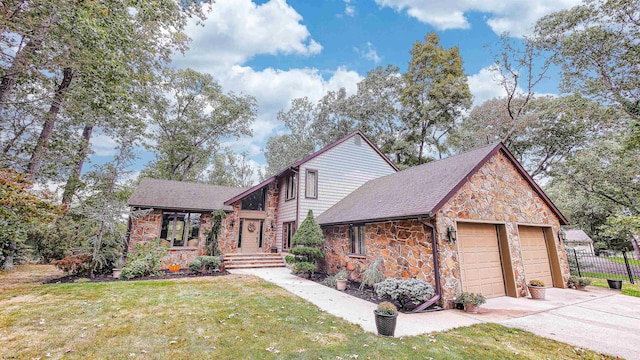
{"x":596,"y":44}
{"x":189,"y":117}
{"x":230,"y":169}
{"x":435,"y":93}
{"x":335,"y":118}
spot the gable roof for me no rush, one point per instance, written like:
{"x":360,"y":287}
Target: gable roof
{"x":307,"y":158}
{"x":420,"y":190}
{"x":180,"y":195}
{"x":577,"y":236}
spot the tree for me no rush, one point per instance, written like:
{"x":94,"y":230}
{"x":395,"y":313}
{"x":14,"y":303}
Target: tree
{"x":435,"y":94}
{"x":307,"y":241}
{"x":334,"y":118}
{"x":596,"y":44}
{"x":230,"y":169}
{"x":189,"y":117}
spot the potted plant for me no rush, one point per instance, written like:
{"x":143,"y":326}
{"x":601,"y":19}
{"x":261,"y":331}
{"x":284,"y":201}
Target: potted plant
{"x":386,"y":316}
{"x":471,"y":301}
{"x":578,"y":283}
{"x":341,"y":280}
{"x":536,"y":289}
{"x":615,"y":284}
{"x":117,"y":268}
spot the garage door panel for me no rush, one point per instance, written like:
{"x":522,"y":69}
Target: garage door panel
{"x":479,"y":252}
{"x":535,"y":255}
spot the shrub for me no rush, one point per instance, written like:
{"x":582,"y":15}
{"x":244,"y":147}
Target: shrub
{"x":581,"y":281}
{"x":146,"y":259}
{"x":330,"y":281}
{"x":309,"y":233}
{"x":538,"y":283}
{"x":303,"y":268}
{"x":342,"y":275}
{"x":387,"y":308}
{"x":471,"y":298}
{"x":373,"y":274}
{"x":74,"y":264}
{"x":205,"y":264}
{"x":409,"y":293}
{"x":307,"y":254}
{"x":289,"y":259}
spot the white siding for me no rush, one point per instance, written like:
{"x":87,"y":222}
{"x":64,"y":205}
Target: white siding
{"x":286,"y":211}
{"x":341,"y":170}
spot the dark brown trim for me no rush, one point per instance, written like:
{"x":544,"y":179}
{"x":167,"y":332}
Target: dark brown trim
{"x":521,"y":171}
{"x":286,"y":186}
{"x":378,"y":220}
{"x":306,"y":176}
{"x":250,"y":191}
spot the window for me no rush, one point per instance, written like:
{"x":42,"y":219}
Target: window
{"x":288,"y":229}
{"x":240,"y":233}
{"x":357,"y":242}
{"x":311,"y":184}
{"x":261,"y":234}
{"x":255,"y":201}
{"x":290,"y":192}
{"x":180,"y":229}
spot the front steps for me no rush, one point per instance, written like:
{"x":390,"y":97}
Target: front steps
{"x":252,"y":261}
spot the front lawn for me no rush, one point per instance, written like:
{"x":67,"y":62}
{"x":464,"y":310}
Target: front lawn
{"x":230,"y":317}
{"x":627,"y":287}
{"x":632,"y":262}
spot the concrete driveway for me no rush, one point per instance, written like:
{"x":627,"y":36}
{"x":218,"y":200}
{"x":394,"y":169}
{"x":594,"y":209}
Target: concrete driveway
{"x":597,"y":319}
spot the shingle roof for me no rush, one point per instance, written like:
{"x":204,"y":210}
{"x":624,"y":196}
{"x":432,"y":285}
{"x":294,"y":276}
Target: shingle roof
{"x":178,"y":195}
{"x":577,"y":236}
{"x":417,"y":191}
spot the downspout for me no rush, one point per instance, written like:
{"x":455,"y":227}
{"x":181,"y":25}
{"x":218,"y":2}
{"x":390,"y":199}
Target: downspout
{"x":436,"y":269}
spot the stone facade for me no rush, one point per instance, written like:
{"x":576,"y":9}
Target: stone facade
{"x":495,"y":193}
{"x":405,"y":246}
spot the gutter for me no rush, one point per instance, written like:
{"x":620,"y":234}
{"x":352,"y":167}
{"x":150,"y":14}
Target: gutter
{"x":436,"y":269}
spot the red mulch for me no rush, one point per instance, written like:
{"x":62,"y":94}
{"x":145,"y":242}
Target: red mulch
{"x":164,"y":274}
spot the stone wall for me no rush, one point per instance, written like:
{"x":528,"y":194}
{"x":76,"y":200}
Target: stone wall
{"x":495,"y":193}
{"x":405,"y":246}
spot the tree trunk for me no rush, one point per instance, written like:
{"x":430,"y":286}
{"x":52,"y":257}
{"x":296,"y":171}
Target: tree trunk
{"x":10,"y":78}
{"x":74,"y":178}
{"x":636,"y":248}
{"x":50,"y":121}
{"x":11,"y":254}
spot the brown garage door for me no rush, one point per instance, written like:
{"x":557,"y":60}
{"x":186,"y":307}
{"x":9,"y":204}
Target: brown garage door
{"x":480,"y":259}
{"x":534,"y":254}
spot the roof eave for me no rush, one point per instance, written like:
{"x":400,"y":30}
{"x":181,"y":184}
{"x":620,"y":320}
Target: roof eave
{"x":376,"y":220}
{"x":250,"y":190}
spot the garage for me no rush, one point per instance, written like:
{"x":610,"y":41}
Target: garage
{"x":480,"y":261}
{"x":535,"y":254}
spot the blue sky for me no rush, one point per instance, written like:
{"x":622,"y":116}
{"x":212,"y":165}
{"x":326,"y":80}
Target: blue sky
{"x":277,"y":50}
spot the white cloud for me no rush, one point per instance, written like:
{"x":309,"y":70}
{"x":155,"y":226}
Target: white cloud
{"x":368,"y":51}
{"x":237,"y":30}
{"x":103,"y":145}
{"x":515,"y":16}
{"x":349,"y":8}
{"x":484,"y":86}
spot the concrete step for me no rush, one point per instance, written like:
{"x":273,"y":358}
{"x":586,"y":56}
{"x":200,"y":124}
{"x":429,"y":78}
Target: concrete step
{"x":253,"y":266}
{"x":251,"y":261}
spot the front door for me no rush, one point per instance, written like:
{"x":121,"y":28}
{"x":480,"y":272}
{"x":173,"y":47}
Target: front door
{"x":250,"y":236}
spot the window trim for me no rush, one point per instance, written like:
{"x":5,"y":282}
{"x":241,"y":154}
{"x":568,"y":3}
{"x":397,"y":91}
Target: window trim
{"x":306,"y":184}
{"x":289,"y":228}
{"x":186,"y":230}
{"x":240,"y":233}
{"x":290,"y":179}
{"x":363,"y":243}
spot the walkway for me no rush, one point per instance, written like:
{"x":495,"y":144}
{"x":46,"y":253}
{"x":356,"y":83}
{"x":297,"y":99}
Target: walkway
{"x":599,"y":319}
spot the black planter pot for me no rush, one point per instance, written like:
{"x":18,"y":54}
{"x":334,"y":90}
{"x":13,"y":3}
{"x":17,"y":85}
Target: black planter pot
{"x":386,"y":324}
{"x":615,"y":284}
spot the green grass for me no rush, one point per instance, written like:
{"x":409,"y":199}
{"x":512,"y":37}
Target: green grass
{"x":604,"y":276}
{"x":621,"y":261}
{"x":230,"y":317}
{"x":627,"y":288}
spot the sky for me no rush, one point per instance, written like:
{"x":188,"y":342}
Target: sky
{"x":278,"y":50}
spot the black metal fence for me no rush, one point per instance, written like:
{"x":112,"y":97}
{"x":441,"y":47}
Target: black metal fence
{"x":624,"y":266}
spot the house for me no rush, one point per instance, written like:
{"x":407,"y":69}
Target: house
{"x":579,"y":241}
{"x":491,"y":226}
{"x":260,"y":219}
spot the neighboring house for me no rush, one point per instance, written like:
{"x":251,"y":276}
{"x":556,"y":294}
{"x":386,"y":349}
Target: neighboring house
{"x":579,"y":240}
{"x":494,"y":227}
{"x":260,"y":219}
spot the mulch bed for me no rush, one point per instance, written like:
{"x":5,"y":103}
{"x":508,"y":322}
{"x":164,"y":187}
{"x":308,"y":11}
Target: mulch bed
{"x":164,"y":274}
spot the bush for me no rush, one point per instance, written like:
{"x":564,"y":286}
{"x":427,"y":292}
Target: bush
{"x":303,"y":268}
{"x":373,"y":274}
{"x":342,"y":275}
{"x":387,"y":308}
{"x":289,"y":259}
{"x":146,"y":259}
{"x":330,"y":281}
{"x":471,"y":298}
{"x":309,"y":233}
{"x":409,"y":293}
{"x":307,"y":254}
{"x":74,"y":264}
{"x":205,"y":264}
{"x":580,"y":281}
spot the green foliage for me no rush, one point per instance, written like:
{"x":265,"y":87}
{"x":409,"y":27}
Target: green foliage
{"x":303,"y":268}
{"x":599,"y":247}
{"x":373,"y":274}
{"x":342,"y":275}
{"x":309,"y":233}
{"x":289,"y":259}
{"x":471,"y":298}
{"x":387,"y":308}
{"x":205,"y":264}
{"x":213,"y":247}
{"x":145,"y":260}
{"x":330,"y":281}
{"x":308,"y":254}
{"x":79,"y":264}
{"x":54,"y":241}
{"x":575,"y":280}
{"x":409,"y":292}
